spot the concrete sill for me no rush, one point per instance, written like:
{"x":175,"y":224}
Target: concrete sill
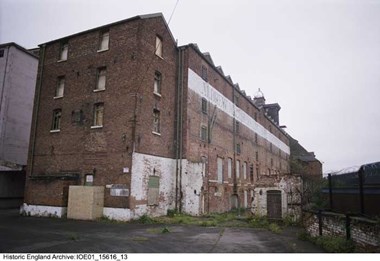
{"x":59,"y":61}
{"x":57,"y":97}
{"x":97,"y":127}
{"x":103,"y":50}
{"x":55,"y":131}
{"x":156,"y":133}
{"x":157,"y":94}
{"x":162,"y":58}
{"x":99,"y":90}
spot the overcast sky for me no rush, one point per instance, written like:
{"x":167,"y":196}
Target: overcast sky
{"x":319,"y":59}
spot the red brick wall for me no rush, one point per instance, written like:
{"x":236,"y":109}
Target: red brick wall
{"x":78,"y":148}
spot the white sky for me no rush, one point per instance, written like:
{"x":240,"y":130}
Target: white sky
{"x":319,"y":59}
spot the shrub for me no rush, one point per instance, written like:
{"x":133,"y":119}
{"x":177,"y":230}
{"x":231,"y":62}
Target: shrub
{"x":145,"y":219}
{"x":335,"y":244}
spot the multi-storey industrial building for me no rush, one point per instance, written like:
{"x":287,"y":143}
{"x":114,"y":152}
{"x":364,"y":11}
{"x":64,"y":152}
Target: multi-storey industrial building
{"x":18,"y":70}
{"x":158,"y":126}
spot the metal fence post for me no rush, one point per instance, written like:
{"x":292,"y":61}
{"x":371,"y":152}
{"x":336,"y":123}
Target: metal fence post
{"x":320,"y":221}
{"x":330,"y":192}
{"x":361,"y":191}
{"x":348,"y":227}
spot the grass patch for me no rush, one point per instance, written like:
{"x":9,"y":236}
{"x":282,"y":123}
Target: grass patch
{"x":140,"y":239}
{"x":145,"y":219}
{"x":335,"y":244}
{"x":275,"y":228}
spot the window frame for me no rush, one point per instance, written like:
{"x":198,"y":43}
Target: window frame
{"x":56,"y":121}
{"x":99,"y":71}
{"x":157,"y":83}
{"x":159,"y":46}
{"x":61,"y":82}
{"x":156,"y":121}
{"x":219,"y":163}
{"x":204,"y":105}
{"x":102,"y":35}
{"x":98,"y":107}
{"x":203,"y":134}
{"x":63,"y":49}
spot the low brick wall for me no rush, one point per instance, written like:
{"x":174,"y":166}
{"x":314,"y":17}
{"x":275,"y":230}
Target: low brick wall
{"x":365,"y":233}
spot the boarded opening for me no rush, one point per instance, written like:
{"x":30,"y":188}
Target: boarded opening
{"x":153,"y":190}
{"x":274,"y":210}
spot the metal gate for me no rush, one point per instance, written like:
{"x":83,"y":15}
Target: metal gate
{"x":274,"y":209}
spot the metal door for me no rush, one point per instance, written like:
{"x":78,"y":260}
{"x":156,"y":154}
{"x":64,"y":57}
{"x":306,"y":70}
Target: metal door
{"x":274,"y":210}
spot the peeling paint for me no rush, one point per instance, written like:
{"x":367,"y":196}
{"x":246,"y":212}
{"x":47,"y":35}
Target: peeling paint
{"x":42,"y":211}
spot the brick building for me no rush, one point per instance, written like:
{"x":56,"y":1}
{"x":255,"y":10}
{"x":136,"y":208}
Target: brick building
{"x":158,"y":126}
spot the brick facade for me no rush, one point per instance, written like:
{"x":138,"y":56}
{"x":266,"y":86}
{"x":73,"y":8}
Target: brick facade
{"x":207,"y":152}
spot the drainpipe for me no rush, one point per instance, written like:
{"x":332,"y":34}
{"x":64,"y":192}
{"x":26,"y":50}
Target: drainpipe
{"x":179,"y":138}
{"x":235,"y":190}
{"x":36,"y":107}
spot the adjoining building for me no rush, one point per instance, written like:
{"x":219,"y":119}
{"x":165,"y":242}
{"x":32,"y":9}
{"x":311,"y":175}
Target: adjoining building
{"x":18,"y":72}
{"x":157,"y":126}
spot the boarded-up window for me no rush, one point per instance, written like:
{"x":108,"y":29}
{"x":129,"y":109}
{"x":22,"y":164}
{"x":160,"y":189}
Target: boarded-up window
{"x":153,"y":190}
{"x":60,"y":87}
{"x":237,"y":169}
{"x":245,"y":170}
{"x":220,"y":170}
{"x":229,"y":167}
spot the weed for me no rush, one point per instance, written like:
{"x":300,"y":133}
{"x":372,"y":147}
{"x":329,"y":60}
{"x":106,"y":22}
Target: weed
{"x":165,"y":230}
{"x":73,"y":237}
{"x":145,"y":219}
{"x":303,"y":235}
{"x":171,"y":212}
{"x":259,"y":222}
{"x":274,"y":228}
{"x":209,"y":223}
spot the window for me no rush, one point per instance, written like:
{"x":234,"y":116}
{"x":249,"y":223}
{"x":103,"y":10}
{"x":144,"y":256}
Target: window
{"x":2,"y":53}
{"x":271,"y":162}
{"x":245,"y":170}
{"x":158,"y":51}
{"x":229,"y":167}
{"x":220,"y":170}
{"x":204,"y":105}
{"x":204,"y":133}
{"x":157,"y":83}
{"x":255,"y":116}
{"x":104,"y":41}
{"x":257,"y":173}
{"x":237,"y":127}
{"x":63,"y":51}
{"x":101,"y":79}
{"x":236,"y":100}
{"x":257,"y":156}
{"x":256,"y":139}
{"x":156,"y":121}
{"x":60,"y":87}
{"x":153,"y":190}
{"x":251,"y":172}
{"x":98,"y":115}
{"x":56,"y":123}
{"x":237,"y":169}
{"x":238,"y":150}
{"x":204,"y":73}
{"x":270,"y":147}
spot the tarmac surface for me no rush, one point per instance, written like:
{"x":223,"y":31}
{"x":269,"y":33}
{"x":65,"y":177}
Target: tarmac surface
{"x":19,"y":234}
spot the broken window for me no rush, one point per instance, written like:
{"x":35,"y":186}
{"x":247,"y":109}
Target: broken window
{"x":158,"y":51}
{"x":204,"y":133}
{"x":204,"y":73}
{"x":204,"y":105}
{"x":101,"y":79}
{"x":60,"y":87}
{"x":256,"y":139}
{"x":153,"y":190}
{"x":64,"y":49}
{"x":251,"y":172}
{"x":98,"y":115}
{"x":56,"y":122}
{"x":220,"y":170}
{"x":157,"y":83}
{"x":156,"y":121}
{"x":104,"y":41}
{"x":237,"y":127}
